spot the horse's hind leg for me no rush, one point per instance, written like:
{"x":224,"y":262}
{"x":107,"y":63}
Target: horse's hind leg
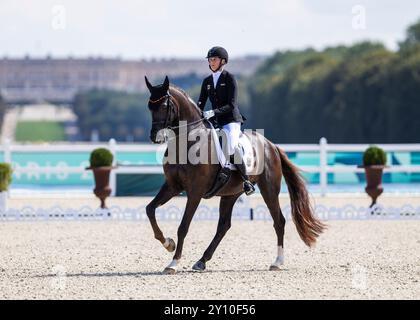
{"x":270,"y":189}
{"x":164,"y":195}
{"x":225,"y":217}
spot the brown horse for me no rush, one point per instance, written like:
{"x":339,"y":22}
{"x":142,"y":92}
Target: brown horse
{"x":169,"y":106}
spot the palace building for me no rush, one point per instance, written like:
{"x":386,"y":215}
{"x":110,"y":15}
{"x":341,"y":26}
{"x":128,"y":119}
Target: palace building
{"x":58,"y":80}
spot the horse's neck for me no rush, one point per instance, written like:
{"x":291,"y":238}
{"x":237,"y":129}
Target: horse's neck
{"x":189,"y":113}
{"x":190,"y":118}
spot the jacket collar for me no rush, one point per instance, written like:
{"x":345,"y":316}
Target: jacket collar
{"x":221,"y":78}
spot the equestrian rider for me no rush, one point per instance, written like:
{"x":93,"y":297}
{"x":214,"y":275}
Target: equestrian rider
{"x":221,"y":88}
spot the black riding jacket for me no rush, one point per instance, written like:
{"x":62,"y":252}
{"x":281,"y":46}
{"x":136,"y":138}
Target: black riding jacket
{"x":223,"y":98}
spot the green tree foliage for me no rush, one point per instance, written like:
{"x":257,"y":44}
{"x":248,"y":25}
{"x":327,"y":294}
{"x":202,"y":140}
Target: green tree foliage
{"x":356,"y":111}
{"x":120,"y":115}
{"x":101,"y":157}
{"x":6,"y":173}
{"x":412,"y":40}
{"x":401,"y":100}
{"x":374,"y":156}
{"x":363,"y":93}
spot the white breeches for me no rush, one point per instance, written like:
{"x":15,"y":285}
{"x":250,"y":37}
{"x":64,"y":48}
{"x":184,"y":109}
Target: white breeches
{"x":233,"y":131}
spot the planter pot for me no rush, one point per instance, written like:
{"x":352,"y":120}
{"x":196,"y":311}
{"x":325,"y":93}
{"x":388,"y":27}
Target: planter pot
{"x":3,"y":201}
{"x":102,"y":189}
{"x":374,"y":181}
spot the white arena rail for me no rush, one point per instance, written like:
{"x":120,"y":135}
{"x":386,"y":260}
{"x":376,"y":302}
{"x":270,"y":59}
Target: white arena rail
{"x":174,"y":213}
{"x":323,"y":148}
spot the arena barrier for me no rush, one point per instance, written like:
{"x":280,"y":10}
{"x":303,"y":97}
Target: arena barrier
{"x":174,"y":213}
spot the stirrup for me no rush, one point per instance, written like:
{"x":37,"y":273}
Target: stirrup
{"x":248,"y":188}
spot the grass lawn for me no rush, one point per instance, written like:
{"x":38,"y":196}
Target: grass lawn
{"x":39,"y":131}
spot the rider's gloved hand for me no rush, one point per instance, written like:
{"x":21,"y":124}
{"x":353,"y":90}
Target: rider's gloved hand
{"x":208,"y":114}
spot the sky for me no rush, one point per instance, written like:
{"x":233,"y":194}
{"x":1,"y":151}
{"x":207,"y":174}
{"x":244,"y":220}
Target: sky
{"x":188,"y":28}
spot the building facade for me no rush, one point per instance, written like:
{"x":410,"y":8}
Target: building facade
{"x":58,"y":80}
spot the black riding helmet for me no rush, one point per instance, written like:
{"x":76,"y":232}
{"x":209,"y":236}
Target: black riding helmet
{"x":218,"y":52}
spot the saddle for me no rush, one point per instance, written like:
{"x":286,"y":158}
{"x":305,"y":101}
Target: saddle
{"x":226,"y":167}
{"x":222,"y":177}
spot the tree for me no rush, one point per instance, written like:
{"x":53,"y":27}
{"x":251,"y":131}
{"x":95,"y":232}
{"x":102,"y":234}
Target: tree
{"x":412,"y":40}
{"x":358,"y":94}
{"x":402,"y":99}
{"x":120,"y":115}
{"x":356,"y":113}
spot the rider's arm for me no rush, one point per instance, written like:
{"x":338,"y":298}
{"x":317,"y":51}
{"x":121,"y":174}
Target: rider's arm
{"x":232,"y":96}
{"x":203,"y":96}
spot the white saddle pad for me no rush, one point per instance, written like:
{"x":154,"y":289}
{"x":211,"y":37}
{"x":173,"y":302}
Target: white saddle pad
{"x":246,"y":145}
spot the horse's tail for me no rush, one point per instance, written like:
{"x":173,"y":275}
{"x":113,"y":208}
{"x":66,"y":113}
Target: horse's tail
{"x":307,"y":224}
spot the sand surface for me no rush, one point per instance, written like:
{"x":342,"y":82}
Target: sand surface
{"x":122,"y":260}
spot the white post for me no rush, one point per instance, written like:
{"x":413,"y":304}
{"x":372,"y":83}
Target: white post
{"x":6,"y":150}
{"x":323,"y":162}
{"x":113,"y":176}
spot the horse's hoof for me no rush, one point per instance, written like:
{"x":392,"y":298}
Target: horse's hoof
{"x":169,"y":271}
{"x":199,"y":266}
{"x":171,"y":246}
{"x":274,"y":268}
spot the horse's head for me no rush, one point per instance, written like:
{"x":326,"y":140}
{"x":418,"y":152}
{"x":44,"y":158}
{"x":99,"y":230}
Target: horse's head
{"x":164,"y":111}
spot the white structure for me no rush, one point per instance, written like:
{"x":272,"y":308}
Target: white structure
{"x":323,"y":148}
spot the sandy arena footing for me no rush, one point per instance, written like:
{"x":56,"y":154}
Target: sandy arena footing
{"x":121,"y":259}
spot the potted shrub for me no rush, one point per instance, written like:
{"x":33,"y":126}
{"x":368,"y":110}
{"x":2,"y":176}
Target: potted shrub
{"x":374,"y":162}
{"x":5,"y":180}
{"x":101,"y":164}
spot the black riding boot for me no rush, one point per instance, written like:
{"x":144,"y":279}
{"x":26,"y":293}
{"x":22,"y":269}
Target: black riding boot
{"x":248,"y":186}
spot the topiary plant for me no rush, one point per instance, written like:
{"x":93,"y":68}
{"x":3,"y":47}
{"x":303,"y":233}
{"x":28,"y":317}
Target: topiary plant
{"x":374,"y":156}
{"x":101,"y":157}
{"x":6,"y":172}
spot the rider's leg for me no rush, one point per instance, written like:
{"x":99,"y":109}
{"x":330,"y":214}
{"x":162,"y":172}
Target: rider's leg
{"x":238,"y":160}
{"x":234,"y":130}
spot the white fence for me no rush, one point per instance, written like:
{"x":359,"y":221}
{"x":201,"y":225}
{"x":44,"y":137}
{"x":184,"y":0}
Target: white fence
{"x":323,"y":148}
{"x":175,"y":213}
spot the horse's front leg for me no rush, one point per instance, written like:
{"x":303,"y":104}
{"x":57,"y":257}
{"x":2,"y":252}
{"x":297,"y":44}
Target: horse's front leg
{"x":225,"y":217}
{"x":191,"y":207}
{"x":164,"y":195}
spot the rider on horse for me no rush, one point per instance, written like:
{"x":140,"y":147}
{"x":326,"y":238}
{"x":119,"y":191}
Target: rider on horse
{"x":221,"y":88}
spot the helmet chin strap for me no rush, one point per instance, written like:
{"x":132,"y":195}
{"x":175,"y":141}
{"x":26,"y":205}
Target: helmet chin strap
{"x":220,"y":66}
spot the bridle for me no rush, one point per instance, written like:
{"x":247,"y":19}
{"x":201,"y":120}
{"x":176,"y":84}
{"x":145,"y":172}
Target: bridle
{"x":171,"y":110}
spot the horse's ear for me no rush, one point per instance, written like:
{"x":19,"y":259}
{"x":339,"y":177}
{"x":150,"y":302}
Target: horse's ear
{"x":166,"y":83}
{"x":149,"y":85}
